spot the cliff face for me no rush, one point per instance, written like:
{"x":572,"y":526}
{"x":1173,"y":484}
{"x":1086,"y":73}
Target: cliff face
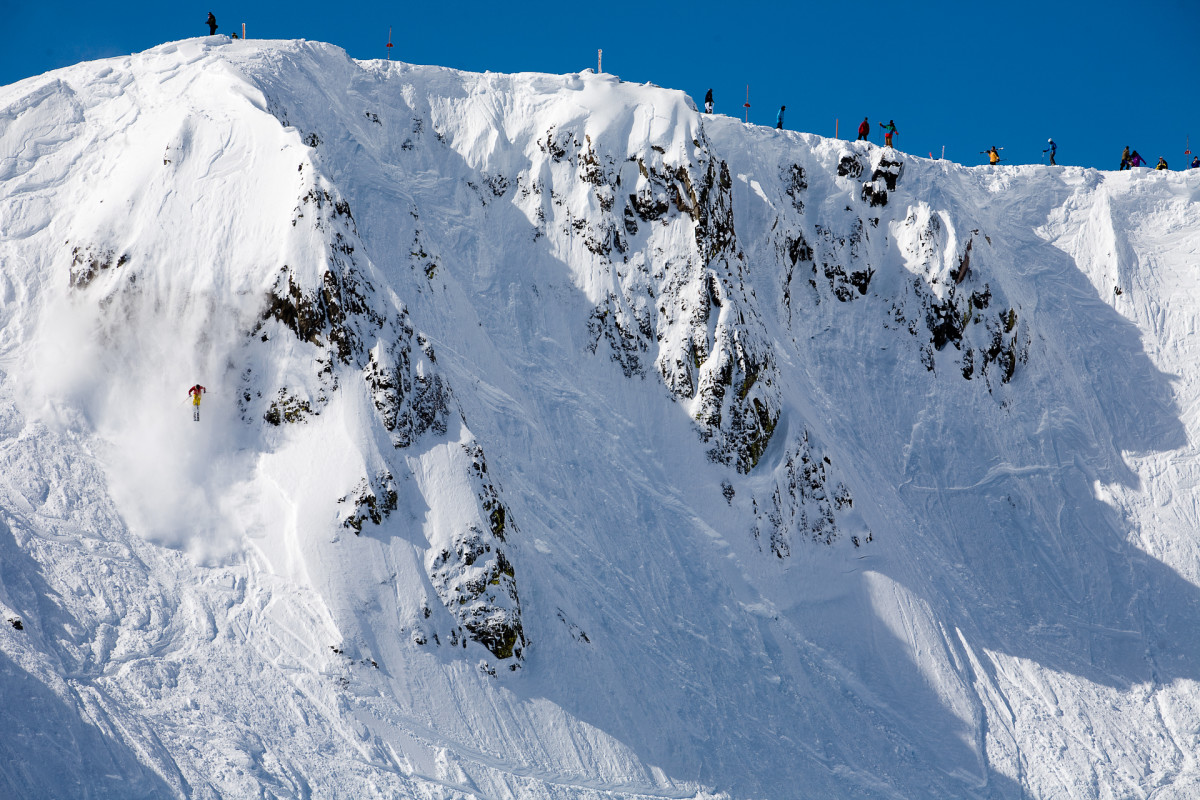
{"x":563,"y":442}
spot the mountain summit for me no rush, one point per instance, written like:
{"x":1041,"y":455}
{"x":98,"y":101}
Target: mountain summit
{"x":560,"y":441}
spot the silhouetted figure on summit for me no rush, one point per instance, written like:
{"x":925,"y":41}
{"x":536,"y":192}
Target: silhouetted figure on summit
{"x":212,"y":24}
{"x":889,"y":131}
{"x":1052,"y":149}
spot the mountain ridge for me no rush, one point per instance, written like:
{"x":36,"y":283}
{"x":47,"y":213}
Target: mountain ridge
{"x":564,"y":442}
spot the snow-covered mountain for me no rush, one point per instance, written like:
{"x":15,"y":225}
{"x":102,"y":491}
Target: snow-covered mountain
{"x":562,"y":442}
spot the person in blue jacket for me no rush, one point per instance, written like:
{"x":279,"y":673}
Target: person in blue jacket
{"x":1195,"y":163}
{"x":779,"y":119}
{"x":1052,"y":149}
{"x":889,"y":131}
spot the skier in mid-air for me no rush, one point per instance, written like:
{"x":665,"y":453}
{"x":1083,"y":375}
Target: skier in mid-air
{"x":195,"y":393}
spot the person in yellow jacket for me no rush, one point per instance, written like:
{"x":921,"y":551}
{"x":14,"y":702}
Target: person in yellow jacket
{"x":993,"y":156}
{"x":1162,"y":163}
{"x":195,"y":393}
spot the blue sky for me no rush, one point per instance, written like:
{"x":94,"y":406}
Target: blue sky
{"x":1095,"y":76}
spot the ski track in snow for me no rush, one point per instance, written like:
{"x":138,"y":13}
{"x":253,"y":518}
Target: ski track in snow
{"x":484,"y":347}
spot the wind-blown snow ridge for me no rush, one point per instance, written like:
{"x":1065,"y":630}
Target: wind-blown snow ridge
{"x":561,"y":441}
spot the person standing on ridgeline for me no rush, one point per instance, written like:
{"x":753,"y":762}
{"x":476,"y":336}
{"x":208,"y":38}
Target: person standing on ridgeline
{"x":195,"y":393}
{"x":889,"y":131}
{"x":779,"y":119}
{"x":864,"y":130}
{"x":212,"y":24}
{"x":1195,"y":163}
{"x":1125,"y":158}
{"x":993,"y":156}
{"x":708,"y":102}
{"x":1136,"y":160}
{"x":1162,"y":163}
{"x":1052,"y":149}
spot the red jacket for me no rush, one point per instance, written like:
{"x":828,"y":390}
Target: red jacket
{"x":864,"y":129}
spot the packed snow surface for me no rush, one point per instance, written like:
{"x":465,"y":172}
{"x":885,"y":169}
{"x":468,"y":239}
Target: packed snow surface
{"x":563,"y":442}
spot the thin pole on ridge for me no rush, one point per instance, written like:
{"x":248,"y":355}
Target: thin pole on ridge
{"x":389,"y":44}
{"x":835,"y":127}
{"x":599,"y":61}
{"x":747,"y":106}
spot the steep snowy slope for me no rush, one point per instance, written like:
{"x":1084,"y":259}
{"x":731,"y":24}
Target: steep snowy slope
{"x":563,"y":442}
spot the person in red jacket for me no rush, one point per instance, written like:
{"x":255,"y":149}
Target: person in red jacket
{"x":864,"y":130}
{"x":195,"y":393}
